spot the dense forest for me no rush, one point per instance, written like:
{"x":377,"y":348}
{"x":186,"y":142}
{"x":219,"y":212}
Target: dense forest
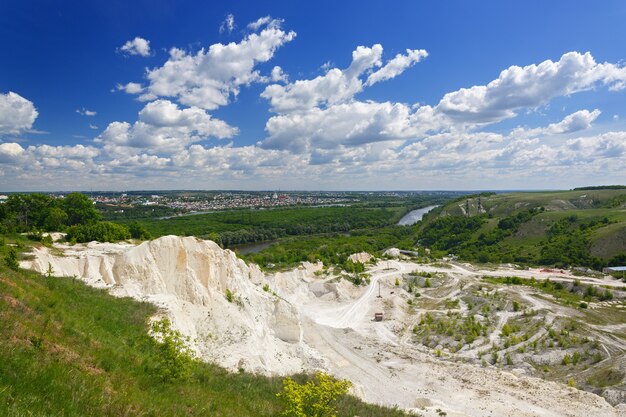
{"x":234,"y":227}
{"x":333,"y":249}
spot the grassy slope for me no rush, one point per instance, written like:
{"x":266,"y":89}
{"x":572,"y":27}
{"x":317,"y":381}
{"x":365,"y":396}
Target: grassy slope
{"x":70,"y":350}
{"x":607,"y":241}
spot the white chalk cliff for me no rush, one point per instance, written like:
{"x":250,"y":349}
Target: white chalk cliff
{"x":188,"y":277}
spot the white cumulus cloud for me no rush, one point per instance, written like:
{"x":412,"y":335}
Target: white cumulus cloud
{"x":138,"y":46}
{"x":529,"y":87}
{"x":10,"y":152}
{"x":208,"y":78}
{"x":163,"y":127}
{"x":130,"y":88}
{"x":17,"y":114}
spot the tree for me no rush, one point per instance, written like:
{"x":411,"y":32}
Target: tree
{"x":101,"y":232}
{"x":55,"y":219}
{"x":138,"y":231}
{"x":80,"y":209}
{"x":11,"y":259}
{"x":174,"y":357}
{"x":315,"y":398}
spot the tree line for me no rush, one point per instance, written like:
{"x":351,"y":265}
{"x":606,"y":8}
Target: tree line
{"x":74,"y":214}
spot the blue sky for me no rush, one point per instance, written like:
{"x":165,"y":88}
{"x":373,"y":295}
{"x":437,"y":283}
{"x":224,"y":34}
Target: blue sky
{"x":311,"y":95}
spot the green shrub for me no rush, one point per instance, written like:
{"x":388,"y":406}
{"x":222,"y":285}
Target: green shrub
{"x":230,"y":296}
{"x":315,"y":398}
{"x":175,"y":358}
{"x":10,"y":259}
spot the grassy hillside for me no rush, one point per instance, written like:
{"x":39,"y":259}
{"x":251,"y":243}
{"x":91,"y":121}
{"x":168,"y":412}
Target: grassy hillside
{"x":70,"y":350}
{"x":580,"y":227}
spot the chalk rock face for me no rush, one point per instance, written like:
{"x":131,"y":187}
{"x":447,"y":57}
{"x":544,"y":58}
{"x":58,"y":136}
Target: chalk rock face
{"x":362,"y":257}
{"x":286,"y":324}
{"x":392,"y":253}
{"x":190,"y":279}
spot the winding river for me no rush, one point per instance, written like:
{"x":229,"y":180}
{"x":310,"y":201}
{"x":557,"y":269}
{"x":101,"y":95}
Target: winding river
{"x":414,"y":216}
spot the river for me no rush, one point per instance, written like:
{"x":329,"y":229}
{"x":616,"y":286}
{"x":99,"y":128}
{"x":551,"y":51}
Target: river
{"x":414,"y":216}
{"x":252,"y":247}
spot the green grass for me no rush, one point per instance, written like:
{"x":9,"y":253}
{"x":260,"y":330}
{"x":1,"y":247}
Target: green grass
{"x":70,"y":350}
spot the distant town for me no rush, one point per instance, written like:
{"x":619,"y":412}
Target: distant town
{"x":189,"y":202}
{"x":172,"y":203}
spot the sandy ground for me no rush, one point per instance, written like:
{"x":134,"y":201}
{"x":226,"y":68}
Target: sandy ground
{"x":387,"y":370}
{"x":297,"y":320}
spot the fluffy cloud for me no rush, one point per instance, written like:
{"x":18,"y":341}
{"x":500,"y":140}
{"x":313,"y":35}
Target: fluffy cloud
{"x":138,"y":46}
{"x":260,"y":22}
{"x":397,"y":66}
{"x":130,"y":88}
{"x":10,"y":152}
{"x":574,"y":122}
{"x":17,"y":114}
{"x":322,"y":136}
{"x":322,"y":112}
{"x":334,"y":87}
{"x":210,"y":77}
{"x":37,"y":159}
{"x":606,"y":145}
{"x":338,"y":86}
{"x":529,"y":87}
{"x":351,"y":124}
{"x":580,"y":120}
{"x":277,"y":75}
{"x":64,"y":152}
{"x":163,"y":127}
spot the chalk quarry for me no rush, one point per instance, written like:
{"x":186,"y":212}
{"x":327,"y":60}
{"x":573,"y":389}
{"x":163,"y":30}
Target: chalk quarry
{"x":307,"y":319}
